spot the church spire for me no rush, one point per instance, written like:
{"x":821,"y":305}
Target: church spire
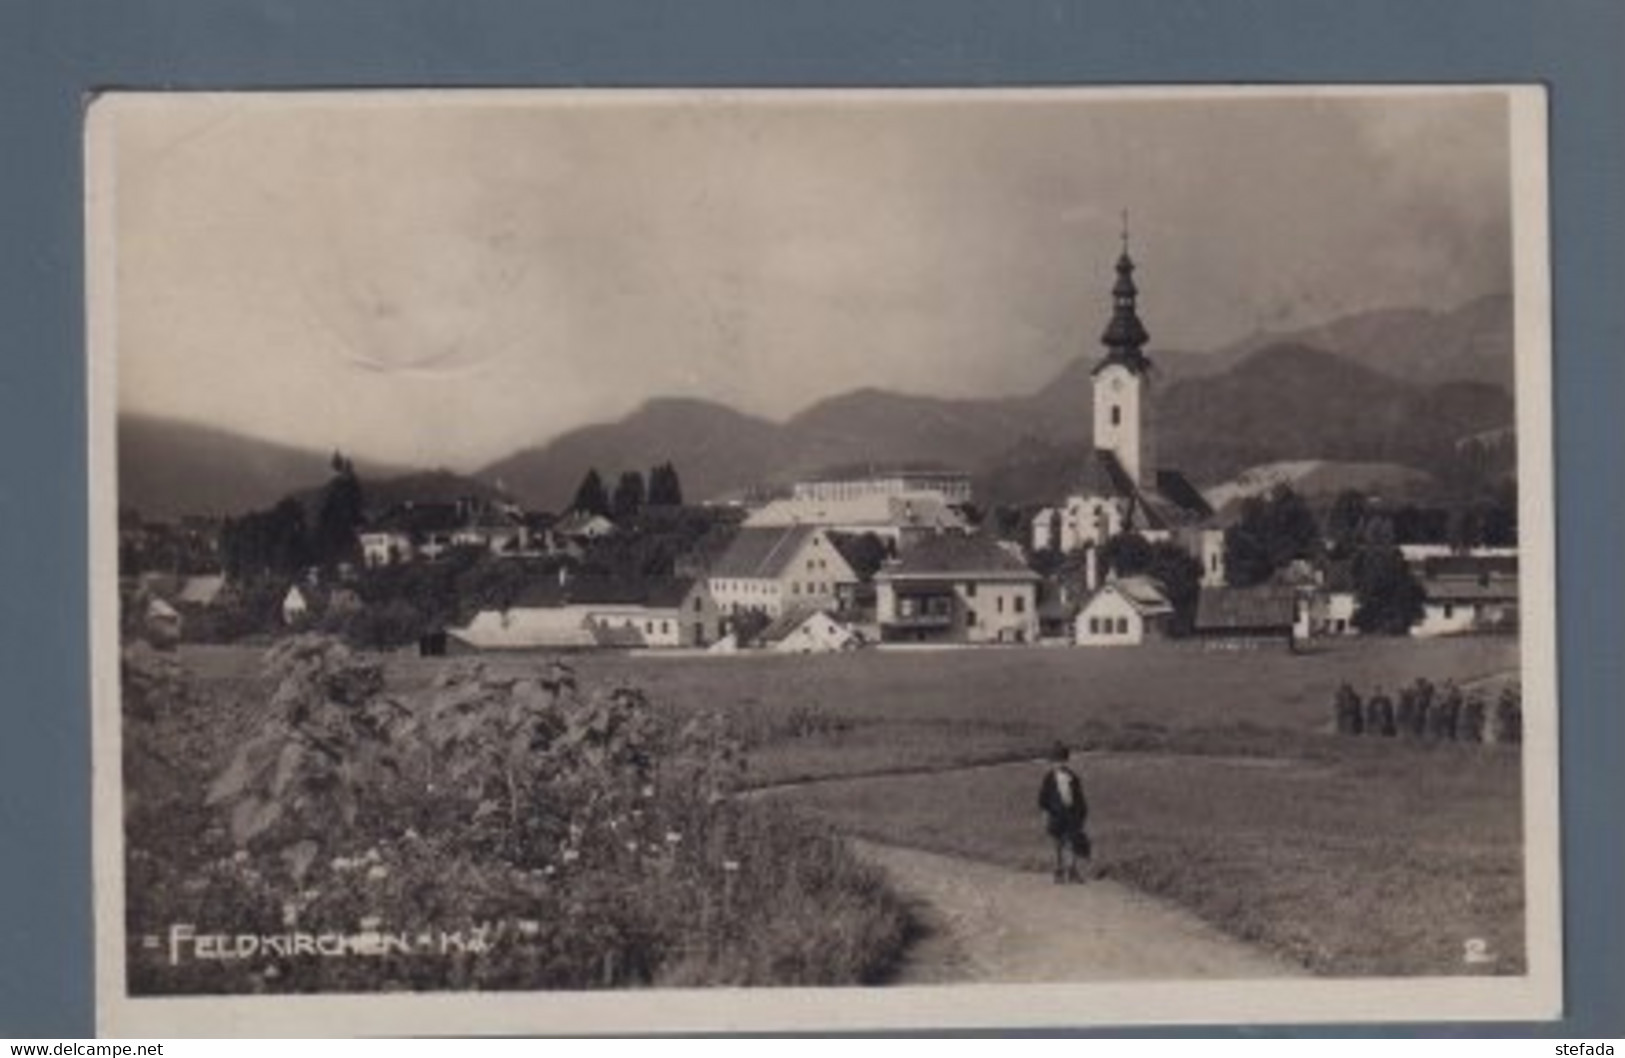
{"x":1125,"y":336}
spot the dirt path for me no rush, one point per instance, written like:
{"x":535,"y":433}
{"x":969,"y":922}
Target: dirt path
{"x":991,"y":923}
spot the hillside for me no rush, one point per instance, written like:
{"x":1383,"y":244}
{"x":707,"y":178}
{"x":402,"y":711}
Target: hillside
{"x":168,"y":468}
{"x":1318,"y":479}
{"x":714,"y":448}
{"x":1285,"y":402}
{"x":1399,"y":386}
{"x":1469,"y":343}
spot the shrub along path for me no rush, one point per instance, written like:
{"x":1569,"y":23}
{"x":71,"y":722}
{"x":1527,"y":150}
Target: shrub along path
{"x":995,"y":924}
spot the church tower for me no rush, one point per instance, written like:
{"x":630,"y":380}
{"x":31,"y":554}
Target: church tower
{"x":1123,"y":381}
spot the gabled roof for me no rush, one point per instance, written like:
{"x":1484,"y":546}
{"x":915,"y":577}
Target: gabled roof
{"x":1468,"y":589}
{"x":1143,"y":593}
{"x":1246,"y":609}
{"x":787,"y":622}
{"x":202,"y":590}
{"x":955,"y":554}
{"x":1471,"y":566}
{"x":762,"y":553}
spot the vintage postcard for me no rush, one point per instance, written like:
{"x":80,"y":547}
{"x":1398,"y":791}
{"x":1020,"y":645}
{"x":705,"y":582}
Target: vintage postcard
{"x":588,"y":561}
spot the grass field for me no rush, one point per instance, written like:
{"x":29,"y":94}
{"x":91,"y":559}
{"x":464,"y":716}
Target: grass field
{"x":1214,"y":779}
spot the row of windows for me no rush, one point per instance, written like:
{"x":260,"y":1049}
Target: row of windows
{"x":648,"y":626}
{"x":1105,"y":626}
{"x":812,"y":588}
{"x":749,"y":587}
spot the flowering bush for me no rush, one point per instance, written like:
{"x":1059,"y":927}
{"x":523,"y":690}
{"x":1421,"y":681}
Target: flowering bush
{"x":495,"y":832}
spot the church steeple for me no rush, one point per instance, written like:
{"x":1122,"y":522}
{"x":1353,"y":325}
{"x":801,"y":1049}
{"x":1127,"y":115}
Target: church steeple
{"x":1125,"y":336}
{"x":1123,"y":381}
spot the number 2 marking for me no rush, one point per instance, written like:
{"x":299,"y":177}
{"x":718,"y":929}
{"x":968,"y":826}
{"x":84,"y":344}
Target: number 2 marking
{"x":1476,"y":950}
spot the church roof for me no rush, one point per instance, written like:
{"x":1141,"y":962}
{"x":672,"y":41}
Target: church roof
{"x":1173,"y":504}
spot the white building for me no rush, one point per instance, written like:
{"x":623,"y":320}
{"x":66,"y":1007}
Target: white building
{"x":1124,"y":612}
{"x":1463,"y":594}
{"x":958,"y":589}
{"x":952,"y":485}
{"x":771,"y":570}
{"x":594,"y":612}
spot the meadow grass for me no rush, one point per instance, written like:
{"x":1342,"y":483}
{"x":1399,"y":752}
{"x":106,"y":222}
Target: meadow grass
{"x":1379,"y":859}
{"x":1215,"y":780}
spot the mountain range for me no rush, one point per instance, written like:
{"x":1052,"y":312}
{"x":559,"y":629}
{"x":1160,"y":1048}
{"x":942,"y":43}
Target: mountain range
{"x":1398,"y":386}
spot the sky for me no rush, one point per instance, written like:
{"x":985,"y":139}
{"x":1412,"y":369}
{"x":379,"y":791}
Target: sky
{"x":439,"y":279}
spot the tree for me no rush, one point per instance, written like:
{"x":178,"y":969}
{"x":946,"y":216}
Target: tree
{"x":1343,"y":521}
{"x":1388,"y":599}
{"x":271,"y":543}
{"x":665,"y":490}
{"x":1273,"y":531}
{"x":339,"y":515}
{"x":865,"y":552}
{"x":628,"y":499}
{"x":590,"y":495}
{"x":1126,"y":553}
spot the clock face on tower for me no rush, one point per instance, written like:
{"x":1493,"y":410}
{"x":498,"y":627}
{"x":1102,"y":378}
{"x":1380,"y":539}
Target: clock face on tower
{"x":1117,"y":384}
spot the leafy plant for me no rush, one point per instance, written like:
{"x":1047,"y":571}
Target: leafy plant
{"x":328,"y":747}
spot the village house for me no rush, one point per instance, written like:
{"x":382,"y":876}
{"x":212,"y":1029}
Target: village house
{"x":770,"y":570}
{"x":583,"y":612}
{"x":1121,"y":488}
{"x":296,"y":606}
{"x":1126,"y":611}
{"x":1465,"y":594}
{"x":408,"y":532}
{"x":958,"y":589}
{"x":802,"y":631}
{"x":900,"y":518}
{"x":162,"y":623}
{"x":412,"y":530}
{"x":583,"y":527}
{"x":1246,"y":618}
{"x":202,"y":590}
{"x":952,"y":486}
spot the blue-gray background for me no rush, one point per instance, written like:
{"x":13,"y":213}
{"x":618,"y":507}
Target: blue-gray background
{"x":54,"y":52}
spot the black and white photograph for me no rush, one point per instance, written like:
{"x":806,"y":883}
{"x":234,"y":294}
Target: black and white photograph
{"x":752,"y":560}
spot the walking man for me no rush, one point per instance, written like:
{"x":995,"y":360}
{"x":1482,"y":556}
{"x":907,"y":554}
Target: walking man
{"x":1060,"y":798}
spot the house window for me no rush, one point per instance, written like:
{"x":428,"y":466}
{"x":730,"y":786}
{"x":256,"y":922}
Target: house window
{"x":1449,"y":611}
{"x":1117,"y":415}
{"x":1021,"y":604}
{"x":1122,"y":626}
{"x":970,"y":591}
{"x":649,"y":627}
{"x":795,"y":587}
{"x":999,"y":603}
{"x":970,"y":618}
{"x":696,"y":604}
{"x":1094,"y":626}
{"x":665,"y":627}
